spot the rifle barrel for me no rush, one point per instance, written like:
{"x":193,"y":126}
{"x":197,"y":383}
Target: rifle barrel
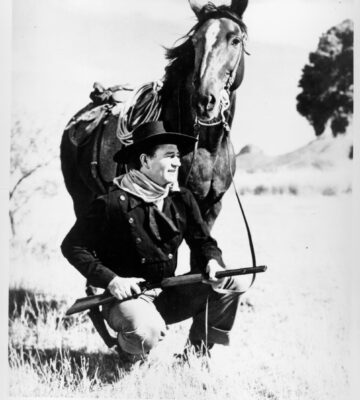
{"x":89,"y":302}
{"x":241,"y":271}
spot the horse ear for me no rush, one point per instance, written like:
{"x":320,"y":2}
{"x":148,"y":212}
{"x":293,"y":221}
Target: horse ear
{"x":197,"y":5}
{"x":239,"y":6}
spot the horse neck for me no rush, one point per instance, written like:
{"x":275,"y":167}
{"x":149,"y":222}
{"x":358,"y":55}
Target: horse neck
{"x":177,"y":113}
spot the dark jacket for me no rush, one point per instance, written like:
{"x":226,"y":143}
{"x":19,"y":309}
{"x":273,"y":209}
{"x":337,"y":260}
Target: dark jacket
{"x":122,"y":235}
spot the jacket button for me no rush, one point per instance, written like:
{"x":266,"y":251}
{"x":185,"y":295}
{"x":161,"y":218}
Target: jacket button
{"x":131,"y":220}
{"x":170,"y":256}
{"x":143,"y":260}
{"x":138,"y":240}
{"x":122,"y":197}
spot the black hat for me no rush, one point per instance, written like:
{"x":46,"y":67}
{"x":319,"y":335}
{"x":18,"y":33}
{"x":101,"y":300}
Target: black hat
{"x":150,"y":134}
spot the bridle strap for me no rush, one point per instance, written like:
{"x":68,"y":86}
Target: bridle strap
{"x":232,"y":75}
{"x":225,"y":98}
{"x":196,"y":131}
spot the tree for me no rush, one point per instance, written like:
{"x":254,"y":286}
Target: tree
{"x":31,"y":150}
{"x":327,"y":81}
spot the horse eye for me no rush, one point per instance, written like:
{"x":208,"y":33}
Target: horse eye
{"x":236,"y":41}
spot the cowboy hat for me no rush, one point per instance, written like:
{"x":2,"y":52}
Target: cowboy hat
{"x":150,"y":134}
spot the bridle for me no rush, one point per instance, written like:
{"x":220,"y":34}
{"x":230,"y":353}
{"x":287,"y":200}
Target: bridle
{"x":224,"y":105}
{"x":225,"y":96}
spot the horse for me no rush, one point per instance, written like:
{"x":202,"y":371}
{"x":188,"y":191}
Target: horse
{"x":197,"y":97}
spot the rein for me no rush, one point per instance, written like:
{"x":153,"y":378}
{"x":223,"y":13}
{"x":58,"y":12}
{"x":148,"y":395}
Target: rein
{"x":225,"y":104}
{"x":251,"y":243}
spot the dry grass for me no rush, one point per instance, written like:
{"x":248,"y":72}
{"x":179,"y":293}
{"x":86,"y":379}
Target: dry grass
{"x":296,"y":182}
{"x":48,"y":357}
{"x":290,"y":340}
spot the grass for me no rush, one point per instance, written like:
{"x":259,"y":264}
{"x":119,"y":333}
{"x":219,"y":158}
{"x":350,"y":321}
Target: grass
{"x":290,"y":340}
{"x":46,"y":359}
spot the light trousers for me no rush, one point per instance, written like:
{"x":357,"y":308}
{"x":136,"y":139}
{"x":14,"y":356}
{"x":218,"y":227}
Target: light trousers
{"x":141,"y":322}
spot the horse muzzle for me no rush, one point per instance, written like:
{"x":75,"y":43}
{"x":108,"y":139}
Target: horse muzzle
{"x":206,"y":106}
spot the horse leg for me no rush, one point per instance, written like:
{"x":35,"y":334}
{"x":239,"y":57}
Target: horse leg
{"x":80,"y":193}
{"x":211,"y":214}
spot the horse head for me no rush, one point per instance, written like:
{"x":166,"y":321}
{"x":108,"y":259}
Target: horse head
{"x":218,"y":45}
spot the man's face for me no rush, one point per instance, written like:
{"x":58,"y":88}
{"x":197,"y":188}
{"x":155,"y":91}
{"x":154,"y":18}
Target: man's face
{"x":163,"y":166}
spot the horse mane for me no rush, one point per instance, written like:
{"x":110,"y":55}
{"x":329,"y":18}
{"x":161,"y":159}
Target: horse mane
{"x":181,"y":57}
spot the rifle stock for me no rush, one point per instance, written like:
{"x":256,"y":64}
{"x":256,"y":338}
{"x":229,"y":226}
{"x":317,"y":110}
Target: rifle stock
{"x":89,"y":302}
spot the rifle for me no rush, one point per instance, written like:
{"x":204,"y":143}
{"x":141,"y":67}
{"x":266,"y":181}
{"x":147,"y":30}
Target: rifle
{"x":89,"y":302}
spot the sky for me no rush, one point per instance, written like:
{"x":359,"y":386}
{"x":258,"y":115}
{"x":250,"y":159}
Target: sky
{"x":61,"y":47}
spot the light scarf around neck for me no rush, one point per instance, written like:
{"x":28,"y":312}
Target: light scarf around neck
{"x":138,"y":184}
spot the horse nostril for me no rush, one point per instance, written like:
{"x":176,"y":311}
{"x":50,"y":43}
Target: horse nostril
{"x":206,"y":103}
{"x":211,"y":102}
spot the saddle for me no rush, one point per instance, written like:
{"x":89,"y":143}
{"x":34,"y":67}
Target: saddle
{"x":103,"y":126}
{"x":83,"y":123}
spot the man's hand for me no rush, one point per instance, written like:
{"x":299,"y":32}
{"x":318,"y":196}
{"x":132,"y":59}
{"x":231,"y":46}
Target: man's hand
{"x":212,"y":267}
{"x":123,"y":288}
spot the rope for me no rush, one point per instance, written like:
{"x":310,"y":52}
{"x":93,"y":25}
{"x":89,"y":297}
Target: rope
{"x":143,"y":106}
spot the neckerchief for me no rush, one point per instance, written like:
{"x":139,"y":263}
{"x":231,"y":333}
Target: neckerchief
{"x":139,"y":185}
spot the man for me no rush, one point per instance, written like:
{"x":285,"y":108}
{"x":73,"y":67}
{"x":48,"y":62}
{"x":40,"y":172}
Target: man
{"x":133,"y":233}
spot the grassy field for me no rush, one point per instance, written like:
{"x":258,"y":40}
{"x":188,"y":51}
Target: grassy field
{"x":290,"y":341}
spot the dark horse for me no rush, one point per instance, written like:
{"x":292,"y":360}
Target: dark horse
{"x":197,"y":98}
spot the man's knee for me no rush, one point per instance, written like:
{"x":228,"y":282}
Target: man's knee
{"x":142,"y":339}
{"x":139,"y":326}
{"x":238,"y":284}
